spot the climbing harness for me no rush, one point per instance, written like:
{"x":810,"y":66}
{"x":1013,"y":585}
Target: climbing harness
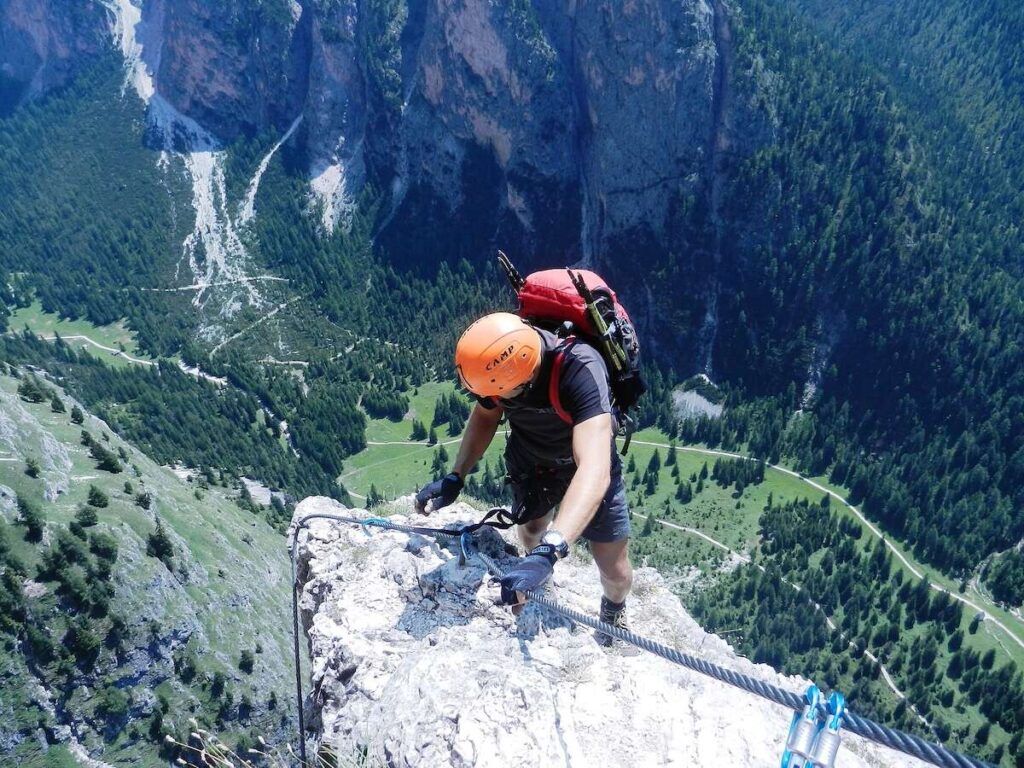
{"x":819,"y":750}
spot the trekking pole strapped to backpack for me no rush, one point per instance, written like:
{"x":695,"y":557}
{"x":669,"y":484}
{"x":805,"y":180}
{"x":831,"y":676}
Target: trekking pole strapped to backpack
{"x":613,"y":351}
{"x":514,"y":278}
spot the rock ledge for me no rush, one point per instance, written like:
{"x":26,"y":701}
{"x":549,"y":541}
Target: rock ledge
{"x":414,"y":663}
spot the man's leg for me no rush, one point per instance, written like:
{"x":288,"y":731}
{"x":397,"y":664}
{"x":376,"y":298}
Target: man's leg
{"x":530,"y":532}
{"x":616,"y":570}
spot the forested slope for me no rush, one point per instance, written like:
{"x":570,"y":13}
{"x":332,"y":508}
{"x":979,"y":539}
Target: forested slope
{"x":89,"y":220}
{"x":959,"y":68}
{"x":876,"y":277}
{"x":959,"y":71}
{"x":131,"y":600}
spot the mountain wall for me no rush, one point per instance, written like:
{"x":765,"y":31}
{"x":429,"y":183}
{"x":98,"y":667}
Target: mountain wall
{"x":45,"y":43}
{"x":512,"y":123}
{"x":483,"y":123}
{"x":413,"y":663}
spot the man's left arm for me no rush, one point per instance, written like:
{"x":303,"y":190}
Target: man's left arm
{"x":591,"y":441}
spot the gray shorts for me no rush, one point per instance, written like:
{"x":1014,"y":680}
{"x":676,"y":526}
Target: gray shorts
{"x":538,"y":490}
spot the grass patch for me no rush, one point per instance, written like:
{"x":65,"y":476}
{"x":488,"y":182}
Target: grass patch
{"x":715,"y":514}
{"x":397,"y":465}
{"x":115,"y":336}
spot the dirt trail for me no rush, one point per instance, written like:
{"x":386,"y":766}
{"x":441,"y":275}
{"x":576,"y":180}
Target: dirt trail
{"x":817,"y":607}
{"x":860,"y":516}
{"x":114,"y":351}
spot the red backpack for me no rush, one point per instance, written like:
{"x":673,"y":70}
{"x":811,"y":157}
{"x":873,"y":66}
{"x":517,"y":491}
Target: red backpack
{"x":577,"y":303}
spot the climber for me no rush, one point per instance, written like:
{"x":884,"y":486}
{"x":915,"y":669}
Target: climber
{"x":568,"y":460}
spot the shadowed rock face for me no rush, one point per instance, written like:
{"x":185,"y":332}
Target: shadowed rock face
{"x":45,"y":43}
{"x":233,"y":67}
{"x":564,"y":132}
{"x":559,"y":129}
{"x":413,"y":661}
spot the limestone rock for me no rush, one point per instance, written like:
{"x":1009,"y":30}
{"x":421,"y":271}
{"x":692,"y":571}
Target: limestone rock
{"x":414,"y":662}
{"x":233,"y":69}
{"x":44,"y":44}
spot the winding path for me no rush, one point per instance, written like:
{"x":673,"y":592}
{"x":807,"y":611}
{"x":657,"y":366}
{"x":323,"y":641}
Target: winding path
{"x":202,"y":286}
{"x":248,"y":328}
{"x":860,"y":516}
{"x":112,"y":350}
{"x":418,"y":444}
{"x":218,"y":380}
{"x":817,"y":607}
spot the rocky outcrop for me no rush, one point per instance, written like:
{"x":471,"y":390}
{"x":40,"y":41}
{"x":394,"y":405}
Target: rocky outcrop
{"x":413,"y":662}
{"x":235,"y":68}
{"x":45,"y":43}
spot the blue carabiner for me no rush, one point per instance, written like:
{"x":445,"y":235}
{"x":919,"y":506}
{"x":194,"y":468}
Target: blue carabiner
{"x":365,"y":523}
{"x":803,"y":730}
{"x":465,"y":548}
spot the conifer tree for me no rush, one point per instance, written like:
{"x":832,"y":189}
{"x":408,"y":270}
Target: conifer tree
{"x":97,"y":497}
{"x":159,"y":545}
{"x":419,"y":431}
{"x":373,"y":497}
{"x":86,"y":517}
{"x":31,"y":518}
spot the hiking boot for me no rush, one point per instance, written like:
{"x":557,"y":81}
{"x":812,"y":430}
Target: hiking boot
{"x":614,"y":614}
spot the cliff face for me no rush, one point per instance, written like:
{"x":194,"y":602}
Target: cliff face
{"x":570,"y":132}
{"x":43,"y":44}
{"x":235,"y":67}
{"x":486,"y":122}
{"x":414,"y":663}
{"x":519,"y":123}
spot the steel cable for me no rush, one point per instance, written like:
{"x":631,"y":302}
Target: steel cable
{"x":861,"y":726}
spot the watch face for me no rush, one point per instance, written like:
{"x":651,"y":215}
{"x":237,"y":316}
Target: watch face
{"x":556,"y":540}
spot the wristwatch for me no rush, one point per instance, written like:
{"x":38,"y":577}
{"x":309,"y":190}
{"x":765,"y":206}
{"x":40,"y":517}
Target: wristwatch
{"x":554,"y":542}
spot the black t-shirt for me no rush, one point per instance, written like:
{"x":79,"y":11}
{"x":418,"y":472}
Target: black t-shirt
{"x":538,"y":434}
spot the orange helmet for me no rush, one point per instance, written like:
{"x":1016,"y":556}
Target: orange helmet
{"x":496,"y":354}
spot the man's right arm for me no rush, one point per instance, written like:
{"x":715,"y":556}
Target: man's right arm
{"x":483,"y":423}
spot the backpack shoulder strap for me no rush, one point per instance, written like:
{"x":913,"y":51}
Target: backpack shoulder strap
{"x":556,"y":379}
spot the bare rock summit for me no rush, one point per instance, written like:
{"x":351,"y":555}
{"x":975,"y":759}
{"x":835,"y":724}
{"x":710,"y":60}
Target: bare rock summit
{"x":414,"y":664}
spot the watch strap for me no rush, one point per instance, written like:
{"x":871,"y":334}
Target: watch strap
{"x":550,"y":551}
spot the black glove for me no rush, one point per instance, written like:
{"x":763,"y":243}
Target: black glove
{"x":530,"y":573}
{"x":442,"y":492}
